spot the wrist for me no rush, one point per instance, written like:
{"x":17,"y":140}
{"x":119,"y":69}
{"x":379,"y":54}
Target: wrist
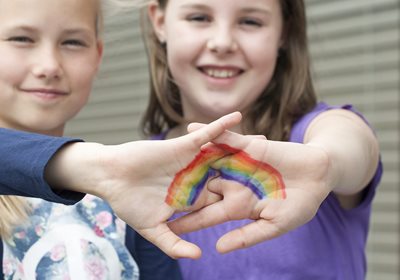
{"x":329,"y":166}
{"x":76,"y":167}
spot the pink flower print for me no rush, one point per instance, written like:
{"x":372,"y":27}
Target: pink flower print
{"x":103,"y":219}
{"x":95,"y":269}
{"x":7,"y":267}
{"x":98,"y":231}
{"x":57,"y":253}
{"x":20,"y":269}
{"x":20,"y":235}
{"x":39,"y":230}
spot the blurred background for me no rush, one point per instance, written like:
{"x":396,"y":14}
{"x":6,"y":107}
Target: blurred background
{"x":355,"y":48}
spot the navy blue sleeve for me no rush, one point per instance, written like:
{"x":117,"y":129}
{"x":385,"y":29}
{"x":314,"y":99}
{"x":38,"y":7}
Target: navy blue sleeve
{"x":153,"y":263}
{"x":1,"y":260}
{"x":23,"y":158}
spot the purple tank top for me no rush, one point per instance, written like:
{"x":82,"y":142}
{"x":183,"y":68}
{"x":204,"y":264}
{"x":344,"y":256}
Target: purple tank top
{"x":330,"y":246}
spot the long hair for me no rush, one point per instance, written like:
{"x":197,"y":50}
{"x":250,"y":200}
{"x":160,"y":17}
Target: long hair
{"x":164,"y":108}
{"x":289,"y":95}
{"x":14,"y":210}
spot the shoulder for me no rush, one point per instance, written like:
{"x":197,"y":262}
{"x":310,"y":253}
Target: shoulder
{"x":324,"y":111}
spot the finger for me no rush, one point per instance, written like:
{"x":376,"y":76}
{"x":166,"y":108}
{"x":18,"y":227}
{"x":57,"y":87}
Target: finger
{"x":234,"y":140}
{"x":170,"y":243}
{"x":194,"y":126}
{"x":253,"y":145}
{"x":205,"y":198}
{"x":208,"y":216}
{"x":215,"y":128}
{"x":247,"y":236}
{"x":258,"y":136}
{"x":228,"y":151}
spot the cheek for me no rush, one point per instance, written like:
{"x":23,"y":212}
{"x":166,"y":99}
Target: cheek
{"x":83,"y":76}
{"x":180,"y":58}
{"x":82,"y":82}
{"x":9,"y":79}
{"x":183,"y":43}
{"x":263,"y":61}
{"x":76,"y":104}
{"x":81,"y":68}
{"x":9,"y":73}
{"x":264,"y":58}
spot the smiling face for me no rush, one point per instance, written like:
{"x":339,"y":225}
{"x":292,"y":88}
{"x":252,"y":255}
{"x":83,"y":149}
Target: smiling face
{"x":221,"y":53}
{"x":49,"y":55}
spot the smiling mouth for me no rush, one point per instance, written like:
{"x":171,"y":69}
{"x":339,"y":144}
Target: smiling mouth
{"x":43,"y":91}
{"x":220,"y":73}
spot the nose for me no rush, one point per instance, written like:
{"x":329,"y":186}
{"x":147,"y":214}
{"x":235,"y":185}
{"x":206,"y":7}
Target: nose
{"x":47,"y":64}
{"x":222,"y":40}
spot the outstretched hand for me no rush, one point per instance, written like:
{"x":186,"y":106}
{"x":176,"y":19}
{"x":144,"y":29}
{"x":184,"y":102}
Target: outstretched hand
{"x":134,"y":178}
{"x":304,"y":170}
{"x":137,"y":192}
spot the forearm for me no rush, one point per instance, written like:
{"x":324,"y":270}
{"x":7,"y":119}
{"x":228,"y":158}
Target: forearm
{"x":351,"y":147}
{"x":102,"y":170}
{"x":25,"y":156}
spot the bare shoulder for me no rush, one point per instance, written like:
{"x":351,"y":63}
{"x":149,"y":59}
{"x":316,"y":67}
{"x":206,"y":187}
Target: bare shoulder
{"x":338,"y":120}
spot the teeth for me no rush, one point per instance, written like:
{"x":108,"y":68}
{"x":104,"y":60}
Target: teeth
{"x":220,"y":73}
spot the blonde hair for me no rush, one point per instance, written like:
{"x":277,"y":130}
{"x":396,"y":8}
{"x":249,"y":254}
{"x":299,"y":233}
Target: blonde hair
{"x":288,"y":96}
{"x":16,"y":209}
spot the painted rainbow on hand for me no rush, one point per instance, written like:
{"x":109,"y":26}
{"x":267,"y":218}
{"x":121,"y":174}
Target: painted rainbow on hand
{"x":188,"y":183}
{"x":262,"y":179}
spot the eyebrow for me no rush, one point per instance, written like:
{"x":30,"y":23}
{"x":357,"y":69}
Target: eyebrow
{"x":195,"y":6}
{"x":69,"y":31}
{"x":74,"y":31}
{"x":245,"y":9}
{"x":21,"y":27}
{"x":257,"y":10}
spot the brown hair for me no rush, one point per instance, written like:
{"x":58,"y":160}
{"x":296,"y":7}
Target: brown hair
{"x":288,"y":96}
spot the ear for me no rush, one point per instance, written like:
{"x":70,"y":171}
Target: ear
{"x":157,"y":18}
{"x":100,"y":48}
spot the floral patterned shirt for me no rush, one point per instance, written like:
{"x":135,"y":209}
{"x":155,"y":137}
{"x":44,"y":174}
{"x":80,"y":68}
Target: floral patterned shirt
{"x":83,"y":241}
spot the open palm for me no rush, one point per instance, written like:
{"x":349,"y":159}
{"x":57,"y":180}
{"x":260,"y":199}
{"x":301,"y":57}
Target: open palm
{"x":139,"y":190}
{"x":304,"y":170}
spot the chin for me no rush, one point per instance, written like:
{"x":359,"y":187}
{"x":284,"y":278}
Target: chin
{"x":47,"y":128}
